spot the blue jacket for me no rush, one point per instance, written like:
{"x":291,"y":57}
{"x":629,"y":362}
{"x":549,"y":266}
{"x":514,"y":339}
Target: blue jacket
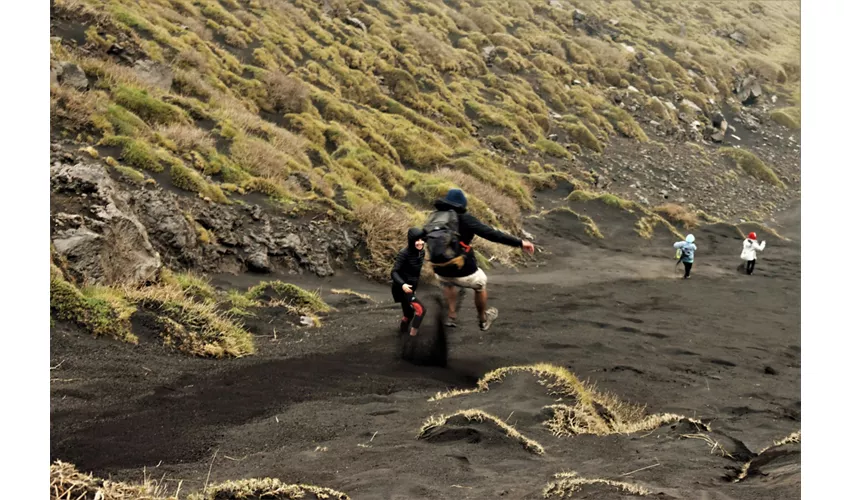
{"x":687,"y":250}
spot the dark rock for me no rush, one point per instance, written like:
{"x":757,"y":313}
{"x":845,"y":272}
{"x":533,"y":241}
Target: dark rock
{"x":106,"y":244}
{"x":258,"y":261}
{"x":579,"y":15}
{"x":770,"y":371}
{"x":489,"y":54}
{"x":357,"y":23}
{"x":72,"y":75}
{"x":748,"y":90}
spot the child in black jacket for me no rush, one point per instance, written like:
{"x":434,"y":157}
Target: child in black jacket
{"x":405,"y":276}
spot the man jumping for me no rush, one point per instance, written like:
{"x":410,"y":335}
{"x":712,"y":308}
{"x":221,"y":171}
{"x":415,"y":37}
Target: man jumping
{"x":449,"y":232}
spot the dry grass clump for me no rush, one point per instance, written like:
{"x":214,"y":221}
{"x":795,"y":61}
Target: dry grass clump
{"x":678,"y":214}
{"x":187,"y":137}
{"x":752,"y":165}
{"x":787,"y":117}
{"x":568,"y":483}
{"x":196,"y":328}
{"x":353,"y":293}
{"x":273,"y":489}
{"x":506,"y":208}
{"x":385,"y":231}
{"x":67,"y":483}
{"x":475,"y":415}
{"x":591,"y":411}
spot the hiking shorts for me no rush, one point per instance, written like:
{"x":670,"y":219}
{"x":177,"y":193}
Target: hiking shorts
{"x":476,"y":281}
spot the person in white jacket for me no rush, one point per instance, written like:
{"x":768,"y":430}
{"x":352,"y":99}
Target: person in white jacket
{"x":748,"y":254}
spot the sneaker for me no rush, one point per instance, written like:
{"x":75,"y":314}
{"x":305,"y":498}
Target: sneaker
{"x":491,"y":316}
{"x":450,"y":322}
{"x":402,"y":327}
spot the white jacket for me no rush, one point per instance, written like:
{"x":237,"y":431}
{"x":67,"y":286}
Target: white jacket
{"x":750,"y":247}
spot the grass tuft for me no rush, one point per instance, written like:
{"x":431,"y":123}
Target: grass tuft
{"x":481,"y":416}
{"x":98,"y":310}
{"x":752,"y":165}
{"x":267,"y":488}
{"x":568,"y":483}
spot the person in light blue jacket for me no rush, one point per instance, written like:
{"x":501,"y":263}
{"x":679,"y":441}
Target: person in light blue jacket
{"x":687,"y":248}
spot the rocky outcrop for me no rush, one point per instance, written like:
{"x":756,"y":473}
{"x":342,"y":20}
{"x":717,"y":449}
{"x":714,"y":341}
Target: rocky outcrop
{"x":94,"y":230}
{"x":112,"y":232}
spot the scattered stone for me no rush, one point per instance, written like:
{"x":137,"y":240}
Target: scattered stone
{"x":579,"y":15}
{"x":307,"y":321}
{"x":154,"y":73}
{"x":691,"y":105}
{"x":628,"y":48}
{"x":553,"y":137}
{"x":654,"y":123}
{"x":556,"y":4}
{"x":736,"y":137}
{"x":770,"y":371}
{"x":527,"y":235}
{"x":357,"y":23}
{"x":773,"y":98}
{"x":576,"y":82}
{"x":738,"y":37}
{"x":670,"y":105}
{"x":630,"y":88}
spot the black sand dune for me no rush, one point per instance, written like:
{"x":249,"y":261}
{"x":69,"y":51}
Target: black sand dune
{"x":338,"y":407}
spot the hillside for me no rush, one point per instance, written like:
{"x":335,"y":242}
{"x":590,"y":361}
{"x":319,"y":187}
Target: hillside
{"x":231,"y":179}
{"x":335,"y":107}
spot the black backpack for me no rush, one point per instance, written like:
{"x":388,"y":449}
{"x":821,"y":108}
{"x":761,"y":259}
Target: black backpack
{"x":443,"y":238}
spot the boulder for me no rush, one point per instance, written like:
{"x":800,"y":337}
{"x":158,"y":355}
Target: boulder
{"x":106,"y":244}
{"x":154,"y":73}
{"x":748,"y":90}
{"x":688,"y":104}
{"x":72,"y":75}
{"x":258,"y":261}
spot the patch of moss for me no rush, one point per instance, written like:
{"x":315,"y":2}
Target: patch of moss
{"x":752,"y":165}
{"x":552,"y":148}
{"x":189,"y":180}
{"x":148,"y":107}
{"x":787,"y":117}
{"x":302,"y":301}
{"x":101,"y":311}
{"x":136,"y":153}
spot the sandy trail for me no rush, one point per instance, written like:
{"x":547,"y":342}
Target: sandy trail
{"x":336,"y":407}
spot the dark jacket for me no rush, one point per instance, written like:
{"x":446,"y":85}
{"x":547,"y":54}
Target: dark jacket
{"x":408,"y":265}
{"x":469,"y":228}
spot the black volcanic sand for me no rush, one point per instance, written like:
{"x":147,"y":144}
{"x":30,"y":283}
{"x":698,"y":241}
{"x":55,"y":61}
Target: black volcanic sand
{"x":337,"y":407}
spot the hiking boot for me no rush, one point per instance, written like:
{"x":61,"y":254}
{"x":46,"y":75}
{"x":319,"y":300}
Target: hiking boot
{"x":402,"y":327}
{"x":491,"y":316}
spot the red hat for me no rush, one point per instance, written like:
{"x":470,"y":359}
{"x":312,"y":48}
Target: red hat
{"x":751,"y":236}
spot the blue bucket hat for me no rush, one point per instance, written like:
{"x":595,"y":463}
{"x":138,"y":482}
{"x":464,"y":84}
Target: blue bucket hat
{"x":456,"y":198}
